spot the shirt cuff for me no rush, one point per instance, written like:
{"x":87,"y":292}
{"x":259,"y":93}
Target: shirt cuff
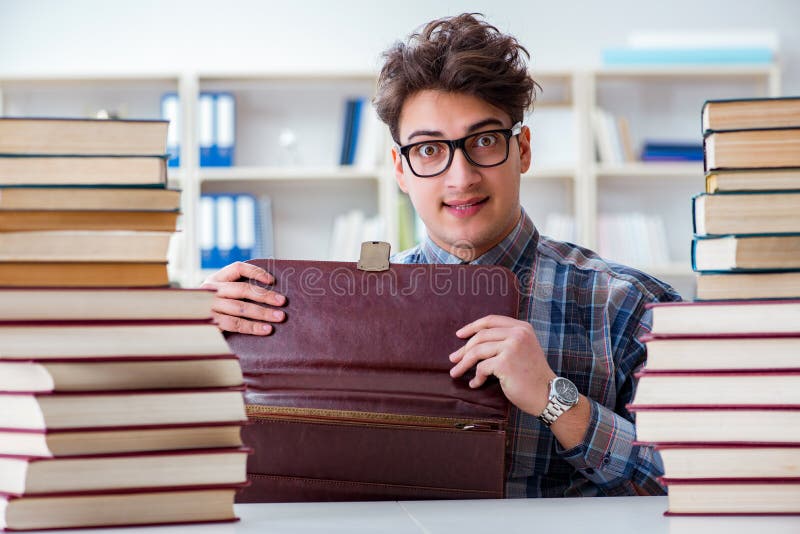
{"x":606,"y":454}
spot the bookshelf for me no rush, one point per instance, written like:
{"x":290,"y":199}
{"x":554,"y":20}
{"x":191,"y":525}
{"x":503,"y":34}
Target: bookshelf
{"x":309,"y":188}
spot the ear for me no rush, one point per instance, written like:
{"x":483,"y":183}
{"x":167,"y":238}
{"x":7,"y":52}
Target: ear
{"x":524,"y":149}
{"x":397,"y":163}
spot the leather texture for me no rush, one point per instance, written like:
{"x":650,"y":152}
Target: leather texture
{"x":351,"y":398}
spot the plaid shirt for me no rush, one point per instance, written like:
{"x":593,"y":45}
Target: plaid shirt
{"x":588,"y":315}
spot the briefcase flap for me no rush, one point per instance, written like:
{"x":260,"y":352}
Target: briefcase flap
{"x":375,"y":341}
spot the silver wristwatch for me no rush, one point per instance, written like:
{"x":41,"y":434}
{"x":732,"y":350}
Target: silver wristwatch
{"x":563,"y":396}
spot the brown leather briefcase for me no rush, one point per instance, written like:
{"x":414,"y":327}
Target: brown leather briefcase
{"x":351,"y":397}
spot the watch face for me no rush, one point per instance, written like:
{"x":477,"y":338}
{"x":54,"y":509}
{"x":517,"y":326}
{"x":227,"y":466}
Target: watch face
{"x":566,"y":391}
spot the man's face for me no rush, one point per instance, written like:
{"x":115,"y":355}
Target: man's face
{"x":488,"y":197}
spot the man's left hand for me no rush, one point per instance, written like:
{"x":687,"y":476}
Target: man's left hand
{"x":508,"y":349}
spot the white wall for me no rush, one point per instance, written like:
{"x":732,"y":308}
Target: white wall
{"x":105,"y":36}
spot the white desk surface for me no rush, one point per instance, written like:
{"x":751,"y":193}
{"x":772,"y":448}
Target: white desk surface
{"x":599,"y":515}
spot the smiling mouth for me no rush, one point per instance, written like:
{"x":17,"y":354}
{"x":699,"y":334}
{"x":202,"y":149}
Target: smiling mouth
{"x":464,"y":206}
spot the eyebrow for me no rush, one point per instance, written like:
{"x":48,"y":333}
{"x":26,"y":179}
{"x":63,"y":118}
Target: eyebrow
{"x":473,"y":128}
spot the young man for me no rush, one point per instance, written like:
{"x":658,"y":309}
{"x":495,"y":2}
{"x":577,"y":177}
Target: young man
{"x":454,"y":96}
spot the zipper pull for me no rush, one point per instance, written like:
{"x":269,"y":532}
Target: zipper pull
{"x":477,"y":426}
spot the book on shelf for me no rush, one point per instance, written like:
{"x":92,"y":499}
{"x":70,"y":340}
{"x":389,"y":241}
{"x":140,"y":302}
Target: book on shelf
{"x":761,"y":285}
{"x":77,"y":170}
{"x":104,"y":304}
{"x":750,"y":113}
{"x":730,"y":180}
{"x":217,"y":134}
{"x":84,"y":245}
{"x":61,"y":136}
{"x":89,"y":198}
{"x":728,"y":317}
{"x":350,"y":230}
{"x":718,"y":388}
{"x":54,"y":339}
{"x":234,"y":227}
{"x":48,"y":443}
{"x":730,"y":460}
{"x":560,"y":226}
{"x":720,"y":424}
{"x":171,"y":111}
{"x":83,"y":274}
{"x":746,"y":253}
{"x":29,"y":476}
{"x":112,"y":374}
{"x":671,"y":151}
{"x":95,"y":220}
{"x":760,"y":496}
{"x":632,"y":238}
{"x":767,"y":212}
{"x":107,"y":509}
{"x":752,"y":149}
{"x":350,"y":130}
{"x":722,"y":352}
{"x":103,"y":410}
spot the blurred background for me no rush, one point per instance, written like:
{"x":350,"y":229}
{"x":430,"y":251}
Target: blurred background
{"x":274,"y":144}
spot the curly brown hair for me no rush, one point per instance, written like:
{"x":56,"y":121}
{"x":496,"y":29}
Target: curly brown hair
{"x":461,"y":54}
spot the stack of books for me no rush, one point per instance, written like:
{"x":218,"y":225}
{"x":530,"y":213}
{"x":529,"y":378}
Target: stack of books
{"x":119,"y":405}
{"x":720,"y":393}
{"x":84,"y":203}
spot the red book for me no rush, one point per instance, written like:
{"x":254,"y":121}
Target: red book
{"x":111,"y":509}
{"x":759,"y":496}
{"x":722,"y":352}
{"x":726,"y":317}
{"x":26,"y":475}
{"x":39,"y":411}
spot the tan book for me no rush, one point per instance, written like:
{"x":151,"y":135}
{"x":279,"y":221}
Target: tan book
{"x":117,"y":509}
{"x":753,"y":180}
{"x":762,"y":496}
{"x":726,"y":317}
{"x":83,"y":274}
{"x":107,"y":374}
{"x":89,"y":198}
{"x":751,"y":113}
{"x":742,"y":460}
{"x":23,"y":169}
{"x":84,"y":245}
{"x":66,"y":442}
{"x":83,"y":136}
{"x":737,"y":253}
{"x":28,"y":220}
{"x":48,"y":340}
{"x":199,"y":467}
{"x":766,"y":285}
{"x":749,"y":149}
{"x":728,"y":352}
{"x":747,"y":213}
{"x":104,"y":304}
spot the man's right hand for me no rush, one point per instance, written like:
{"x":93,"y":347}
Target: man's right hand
{"x":231,"y":313}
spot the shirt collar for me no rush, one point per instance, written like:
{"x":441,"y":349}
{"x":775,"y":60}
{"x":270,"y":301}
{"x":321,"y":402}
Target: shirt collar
{"x":507,"y":253}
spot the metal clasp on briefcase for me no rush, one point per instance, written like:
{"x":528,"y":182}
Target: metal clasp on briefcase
{"x":374,"y":256}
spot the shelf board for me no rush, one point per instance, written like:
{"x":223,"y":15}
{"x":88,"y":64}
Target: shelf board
{"x":286,"y":173}
{"x":688,"y":71}
{"x":288,"y":75}
{"x":689,"y":170}
{"x":549,"y":173}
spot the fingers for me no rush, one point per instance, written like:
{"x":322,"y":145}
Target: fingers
{"x":492,"y":334}
{"x":240,"y":269}
{"x":484,"y":370}
{"x":473,"y":356}
{"x":230,"y":323}
{"x":246,"y":290}
{"x":490,"y":321}
{"x":247,"y":310}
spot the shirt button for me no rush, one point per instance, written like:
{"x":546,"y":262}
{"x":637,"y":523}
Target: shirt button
{"x":606,"y":459}
{"x":589,"y":471}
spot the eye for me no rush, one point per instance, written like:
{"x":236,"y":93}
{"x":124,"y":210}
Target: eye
{"x":486,"y":140}
{"x":428,"y":150}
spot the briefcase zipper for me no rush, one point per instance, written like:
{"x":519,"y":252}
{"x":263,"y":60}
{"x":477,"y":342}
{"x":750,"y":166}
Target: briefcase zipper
{"x":351,"y":417}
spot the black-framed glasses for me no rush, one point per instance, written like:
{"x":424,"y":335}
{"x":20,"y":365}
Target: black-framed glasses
{"x":427,"y":159}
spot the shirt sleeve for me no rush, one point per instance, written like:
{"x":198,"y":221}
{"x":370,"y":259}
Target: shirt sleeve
{"x":607,"y":455}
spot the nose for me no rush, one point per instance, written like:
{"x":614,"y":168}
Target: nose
{"x":462,"y":174}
